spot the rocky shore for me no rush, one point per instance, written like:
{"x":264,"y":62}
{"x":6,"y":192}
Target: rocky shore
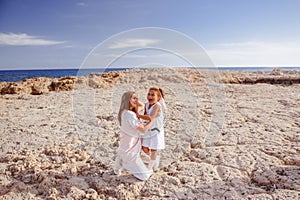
{"x":37,"y":86}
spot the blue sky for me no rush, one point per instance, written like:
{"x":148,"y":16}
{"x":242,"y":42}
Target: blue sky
{"x":60,"y":34}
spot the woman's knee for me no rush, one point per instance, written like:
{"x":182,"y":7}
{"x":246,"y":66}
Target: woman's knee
{"x":146,"y":150}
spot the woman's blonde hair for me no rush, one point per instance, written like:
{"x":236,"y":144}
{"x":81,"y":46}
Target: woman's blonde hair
{"x":124,"y":104}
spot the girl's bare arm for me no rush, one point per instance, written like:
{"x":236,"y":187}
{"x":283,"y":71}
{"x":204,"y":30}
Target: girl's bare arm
{"x":155,"y":112}
{"x":145,"y":117}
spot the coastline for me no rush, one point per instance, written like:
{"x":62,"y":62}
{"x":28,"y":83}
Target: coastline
{"x":41,"y":85}
{"x":60,"y":143}
{"x":18,"y":75}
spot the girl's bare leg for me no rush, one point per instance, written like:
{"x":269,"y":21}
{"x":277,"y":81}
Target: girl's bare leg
{"x":153,"y":156}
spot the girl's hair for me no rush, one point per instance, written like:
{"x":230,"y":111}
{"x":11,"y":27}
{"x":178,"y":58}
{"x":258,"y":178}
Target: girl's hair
{"x":124,"y":104}
{"x":159,"y":91}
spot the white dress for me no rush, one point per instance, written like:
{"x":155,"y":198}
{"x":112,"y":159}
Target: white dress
{"x":128,"y":155}
{"x":154,"y":138}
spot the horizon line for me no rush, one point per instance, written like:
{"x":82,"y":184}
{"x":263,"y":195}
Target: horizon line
{"x":91,"y":68}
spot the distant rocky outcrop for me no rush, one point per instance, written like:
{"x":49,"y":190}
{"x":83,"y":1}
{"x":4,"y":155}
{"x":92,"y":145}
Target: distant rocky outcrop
{"x":42,"y":85}
{"x":38,"y":86}
{"x":277,"y":76}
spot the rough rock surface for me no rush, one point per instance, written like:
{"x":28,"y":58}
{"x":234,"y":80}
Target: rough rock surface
{"x":223,"y":141}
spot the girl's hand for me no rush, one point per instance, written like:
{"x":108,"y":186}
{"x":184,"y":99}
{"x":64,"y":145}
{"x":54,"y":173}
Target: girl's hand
{"x":140,"y":106}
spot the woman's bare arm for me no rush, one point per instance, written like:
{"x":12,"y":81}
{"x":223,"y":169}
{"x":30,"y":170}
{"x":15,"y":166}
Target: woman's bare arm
{"x":143,"y":128}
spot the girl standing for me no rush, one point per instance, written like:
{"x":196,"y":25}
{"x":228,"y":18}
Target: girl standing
{"x":153,"y":139}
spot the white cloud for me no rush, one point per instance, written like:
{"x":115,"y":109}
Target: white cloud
{"x":81,"y":4}
{"x":123,"y":56}
{"x":23,"y":39}
{"x":67,"y":46}
{"x":133,"y":43}
{"x":255,"y":54}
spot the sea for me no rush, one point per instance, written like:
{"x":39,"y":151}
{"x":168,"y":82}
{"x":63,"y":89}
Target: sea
{"x":19,"y":75}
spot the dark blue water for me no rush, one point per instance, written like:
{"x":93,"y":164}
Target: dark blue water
{"x":19,"y":75}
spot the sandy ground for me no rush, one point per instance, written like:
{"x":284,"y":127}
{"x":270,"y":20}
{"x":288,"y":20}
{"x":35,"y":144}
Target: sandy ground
{"x":223,"y":141}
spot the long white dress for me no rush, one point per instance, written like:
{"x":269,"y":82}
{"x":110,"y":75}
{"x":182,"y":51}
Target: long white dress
{"x":128,"y":155}
{"x":154,"y":138}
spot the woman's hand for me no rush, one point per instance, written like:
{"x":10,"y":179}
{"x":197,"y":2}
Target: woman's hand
{"x":143,"y":128}
{"x":138,"y":115}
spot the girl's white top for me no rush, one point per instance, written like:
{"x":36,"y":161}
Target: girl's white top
{"x":154,"y":138}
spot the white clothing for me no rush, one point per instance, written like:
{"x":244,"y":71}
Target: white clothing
{"x":128,"y":155}
{"x":154,"y":138}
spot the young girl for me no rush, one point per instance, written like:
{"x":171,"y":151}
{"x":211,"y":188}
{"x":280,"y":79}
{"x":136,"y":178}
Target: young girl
{"x":153,"y":139}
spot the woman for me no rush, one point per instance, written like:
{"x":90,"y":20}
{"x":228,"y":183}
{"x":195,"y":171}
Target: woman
{"x":128,"y":156}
